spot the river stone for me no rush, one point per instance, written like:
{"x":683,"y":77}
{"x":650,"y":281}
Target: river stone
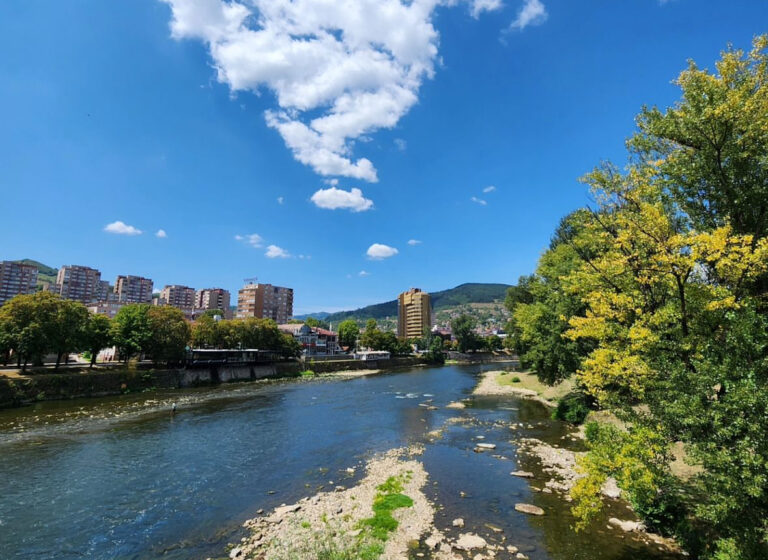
{"x":458,"y":522}
{"x":522,"y":474}
{"x":486,"y":445}
{"x":468,"y":541}
{"x":610,"y":489}
{"x":458,"y":405}
{"x":528,"y":508}
{"x":281,"y":512}
{"x":627,"y":526}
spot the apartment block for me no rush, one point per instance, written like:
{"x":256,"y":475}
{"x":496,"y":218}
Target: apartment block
{"x":265,"y":301}
{"x":213,"y":298}
{"x":414,"y":313}
{"x":133,"y":289}
{"x":79,"y":283}
{"x":15,"y":279}
{"x":182,"y":297}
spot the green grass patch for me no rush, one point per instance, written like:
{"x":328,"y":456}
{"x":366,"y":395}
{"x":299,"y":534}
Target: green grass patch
{"x":388,"y":498}
{"x":308,"y":373}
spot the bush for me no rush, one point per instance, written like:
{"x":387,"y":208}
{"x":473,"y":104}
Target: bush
{"x":515,"y":379}
{"x":573,"y":407}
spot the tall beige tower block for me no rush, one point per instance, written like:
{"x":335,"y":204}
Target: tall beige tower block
{"x":414,"y":313}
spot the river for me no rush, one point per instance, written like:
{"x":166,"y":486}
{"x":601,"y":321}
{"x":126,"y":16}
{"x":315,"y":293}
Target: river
{"x":121,"y":478}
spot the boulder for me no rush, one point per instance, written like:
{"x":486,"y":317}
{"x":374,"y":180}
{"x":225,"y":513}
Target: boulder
{"x":627,"y":526}
{"x":486,"y":445}
{"x":469,"y":541}
{"x":529,"y":509}
{"x":459,"y":522}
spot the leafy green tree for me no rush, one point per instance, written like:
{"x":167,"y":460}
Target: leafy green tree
{"x":289,"y":347}
{"x":493,"y":343}
{"x":131,"y":331}
{"x":97,"y":335}
{"x":65,"y":327}
{"x":206,"y":332}
{"x":463,"y":328}
{"x":312,"y":322}
{"x":26,"y":325}
{"x":348,"y":333}
{"x":169,"y":334}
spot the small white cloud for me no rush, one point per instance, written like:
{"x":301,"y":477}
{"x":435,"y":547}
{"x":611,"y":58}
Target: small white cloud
{"x":400,"y":144}
{"x":363,"y":273}
{"x":305,"y":257}
{"x":489,"y":189}
{"x":252,"y":239}
{"x":275,"y":252}
{"x":331,"y":182}
{"x":161,"y":234}
{"x":479,"y":201}
{"x":533,"y":12}
{"x":280,"y":200}
{"x":333,"y":199}
{"x":477,"y":7}
{"x":414,"y":242}
{"x":378,"y":251}
{"x":121,"y":228}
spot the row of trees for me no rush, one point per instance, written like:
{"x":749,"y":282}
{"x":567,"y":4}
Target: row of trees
{"x":657,"y":300}
{"x":35,"y":325}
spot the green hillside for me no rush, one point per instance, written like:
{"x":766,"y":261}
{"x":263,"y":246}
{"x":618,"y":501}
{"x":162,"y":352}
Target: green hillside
{"x":460,"y":295}
{"x":45,"y":273}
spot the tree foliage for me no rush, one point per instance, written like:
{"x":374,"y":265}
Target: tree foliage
{"x":463,"y":328}
{"x":348,"y":333}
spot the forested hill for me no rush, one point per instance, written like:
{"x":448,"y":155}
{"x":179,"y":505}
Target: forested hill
{"x":45,"y":273}
{"x":465,"y":293}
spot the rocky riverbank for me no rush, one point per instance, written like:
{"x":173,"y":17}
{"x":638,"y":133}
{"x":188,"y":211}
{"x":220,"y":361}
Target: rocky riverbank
{"x":489,"y":386}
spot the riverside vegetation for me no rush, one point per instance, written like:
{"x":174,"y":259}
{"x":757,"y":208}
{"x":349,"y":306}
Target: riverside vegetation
{"x":656,"y":301}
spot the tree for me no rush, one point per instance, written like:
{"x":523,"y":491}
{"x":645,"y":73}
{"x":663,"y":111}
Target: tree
{"x":493,"y":343}
{"x":65,"y":327}
{"x":169,"y":334}
{"x":26,"y":325}
{"x":463,"y":329}
{"x":348,"y":333}
{"x":206,"y":332}
{"x":131,"y":331}
{"x":97,"y":335}
{"x":312,"y":322}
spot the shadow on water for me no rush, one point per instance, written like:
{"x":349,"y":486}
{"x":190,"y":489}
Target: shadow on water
{"x":122,"y":478}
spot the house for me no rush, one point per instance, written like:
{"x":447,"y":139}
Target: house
{"x":314,"y":340}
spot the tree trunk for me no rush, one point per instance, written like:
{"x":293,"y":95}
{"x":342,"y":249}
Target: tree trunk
{"x":58,"y":360}
{"x":93,"y":358}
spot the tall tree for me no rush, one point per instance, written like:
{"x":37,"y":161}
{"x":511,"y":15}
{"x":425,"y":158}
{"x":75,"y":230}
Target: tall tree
{"x":65,"y":328}
{"x":463,"y":328}
{"x":131,"y":330}
{"x":97,"y":335}
{"x":169,"y":334}
{"x":348,"y":333}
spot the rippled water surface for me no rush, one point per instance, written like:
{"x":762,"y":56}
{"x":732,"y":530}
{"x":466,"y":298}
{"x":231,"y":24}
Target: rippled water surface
{"x":123,"y":478}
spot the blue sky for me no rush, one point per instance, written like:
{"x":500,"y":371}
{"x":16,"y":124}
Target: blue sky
{"x":214,"y":122}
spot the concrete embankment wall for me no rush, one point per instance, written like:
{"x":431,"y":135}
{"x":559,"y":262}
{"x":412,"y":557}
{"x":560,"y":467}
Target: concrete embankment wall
{"x":100,"y":383}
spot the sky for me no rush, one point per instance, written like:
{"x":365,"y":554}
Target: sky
{"x":349,"y":149}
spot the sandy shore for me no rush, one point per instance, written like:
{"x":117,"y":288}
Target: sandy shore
{"x":352,"y":373}
{"x":489,"y":386}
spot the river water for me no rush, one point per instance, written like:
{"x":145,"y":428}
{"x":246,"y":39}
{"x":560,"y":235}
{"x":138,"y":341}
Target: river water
{"x":122,"y":478}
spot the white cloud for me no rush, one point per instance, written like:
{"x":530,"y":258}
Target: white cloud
{"x":533,"y":12}
{"x":121,"y":228}
{"x":489,"y":189}
{"x":339,"y":70}
{"x":414,"y":242}
{"x":303,"y":257}
{"x":161,"y":234}
{"x":363,"y":273}
{"x":479,"y":201}
{"x":333,"y":199}
{"x":252,"y":239}
{"x":280,"y":200}
{"x":275,"y":252}
{"x":400,"y":144}
{"x":378,"y":251}
{"x":477,"y":7}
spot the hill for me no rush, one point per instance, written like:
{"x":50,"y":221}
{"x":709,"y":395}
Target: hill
{"x":45,"y":273}
{"x":460,"y":295}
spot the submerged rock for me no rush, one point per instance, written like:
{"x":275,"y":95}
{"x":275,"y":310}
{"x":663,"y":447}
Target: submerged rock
{"x":469,"y":541}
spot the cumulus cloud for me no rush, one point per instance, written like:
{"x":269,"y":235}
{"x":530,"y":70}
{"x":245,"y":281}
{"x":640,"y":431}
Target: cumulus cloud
{"x":161,"y":234}
{"x":533,"y":12}
{"x":489,"y":189}
{"x":378,"y":251}
{"x":479,"y":201}
{"x":339,"y":70}
{"x":363,"y":273}
{"x":477,"y":7}
{"x":414,"y":242}
{"x":275,"y":252}
{"x":334,"y":198}
{"x":121,"y":228}
{"x":252,"y":239}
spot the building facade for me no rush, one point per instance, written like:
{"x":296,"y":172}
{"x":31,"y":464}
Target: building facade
{"x":182,"y":297}
{"x":79,"y":283}
{"x":133,"y":289}
{"x":213,"y":298}
{"x":314,"y":340}
{"x":266,"y":302}
{"x":15,"y":279}
{"x":414,"y":313}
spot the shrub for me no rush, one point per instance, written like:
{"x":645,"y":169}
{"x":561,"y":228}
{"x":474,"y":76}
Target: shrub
{"x":573,"y":408}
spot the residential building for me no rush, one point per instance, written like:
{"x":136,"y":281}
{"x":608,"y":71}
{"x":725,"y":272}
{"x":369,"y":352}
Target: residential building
{"x":108,"y":308}
{"x":133,"y":289}
{"x":314,"y":340}
{"x":265,"y":301}
{"x":414,"y":313}
{"x":15,"y":279}
{"x":213,"y":298}
{"x":79,"y":283}
{"x":182,"y":297}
